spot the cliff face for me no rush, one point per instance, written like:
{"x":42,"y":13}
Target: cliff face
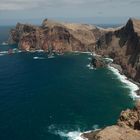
{"x":55,"y":36}
{"x":127,"y":127}
{"x":123,"y":45}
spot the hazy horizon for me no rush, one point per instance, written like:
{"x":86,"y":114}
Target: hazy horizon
{"x":84,"y":20}
{"x":84,"y":11}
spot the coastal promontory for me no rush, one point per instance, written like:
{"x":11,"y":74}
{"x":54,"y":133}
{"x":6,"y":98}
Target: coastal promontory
{"x":57,"y":36}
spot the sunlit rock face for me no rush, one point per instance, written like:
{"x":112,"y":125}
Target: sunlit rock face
{"x":56,"y":35}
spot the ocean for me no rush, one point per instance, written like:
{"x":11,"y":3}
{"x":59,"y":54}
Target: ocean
{"x":56,"y":98}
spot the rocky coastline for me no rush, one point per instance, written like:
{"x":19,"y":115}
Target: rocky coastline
{"x":98,"y":61}
{"x":128,"y":124}
{"x":55,"y":36}
{"x":120,"y":44}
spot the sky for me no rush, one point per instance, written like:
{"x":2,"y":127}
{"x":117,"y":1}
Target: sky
{"x":92,"y":11}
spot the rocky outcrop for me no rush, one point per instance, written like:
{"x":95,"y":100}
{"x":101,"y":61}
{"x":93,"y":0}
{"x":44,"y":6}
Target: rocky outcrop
{"x":127,"y":127}
{"x":56,"y":36}
{"x":123,"y":45}
{"x":98,"y":61}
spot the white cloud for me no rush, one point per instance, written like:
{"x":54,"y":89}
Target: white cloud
{"x":21,"y":4}
{"x":36,"y":4}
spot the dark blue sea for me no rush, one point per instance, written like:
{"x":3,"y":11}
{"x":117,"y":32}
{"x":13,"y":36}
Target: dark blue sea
{"x":56,"y":98}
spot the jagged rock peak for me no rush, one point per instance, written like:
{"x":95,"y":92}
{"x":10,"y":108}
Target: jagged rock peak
{"x":134,"y":24}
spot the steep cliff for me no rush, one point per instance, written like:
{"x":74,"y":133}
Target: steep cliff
{"x":57,"y":36}
{"x":123,"y":45}
{"x":127,"y":127}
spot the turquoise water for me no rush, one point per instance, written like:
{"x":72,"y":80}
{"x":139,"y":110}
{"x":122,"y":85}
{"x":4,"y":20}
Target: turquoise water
{"x":45,"y":99}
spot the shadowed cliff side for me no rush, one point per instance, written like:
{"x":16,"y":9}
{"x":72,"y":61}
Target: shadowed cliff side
{"x":123,"y":45}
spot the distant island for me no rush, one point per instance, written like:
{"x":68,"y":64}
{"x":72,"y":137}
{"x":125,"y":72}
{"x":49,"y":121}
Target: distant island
{"x":122,"y":44}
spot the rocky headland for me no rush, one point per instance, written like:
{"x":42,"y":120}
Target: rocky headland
{"x":57,"y":36}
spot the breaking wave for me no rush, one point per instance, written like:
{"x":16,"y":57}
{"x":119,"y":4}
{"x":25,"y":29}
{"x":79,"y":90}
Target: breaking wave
{"x":72,"y":135}
{"x":133,"y":87}
{"x":69,"y":135}
{"x":95,"y":127}
{"x":90,"y":67}
{"x":89,"y":58}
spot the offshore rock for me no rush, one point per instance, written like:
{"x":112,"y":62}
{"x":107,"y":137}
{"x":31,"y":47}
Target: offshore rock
{"x":98,"y":62}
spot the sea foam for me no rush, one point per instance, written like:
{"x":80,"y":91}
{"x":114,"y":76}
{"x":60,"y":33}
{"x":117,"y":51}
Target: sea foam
{"x":38,"y":57}
{"x":65,"y":134}
{"x":133,"y":87}
{"x":74,"y":135}
{"x":89,"y":58}
{"x":89,"y":53}
{"x":90,"y":66}
{"x":13,"y":52}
